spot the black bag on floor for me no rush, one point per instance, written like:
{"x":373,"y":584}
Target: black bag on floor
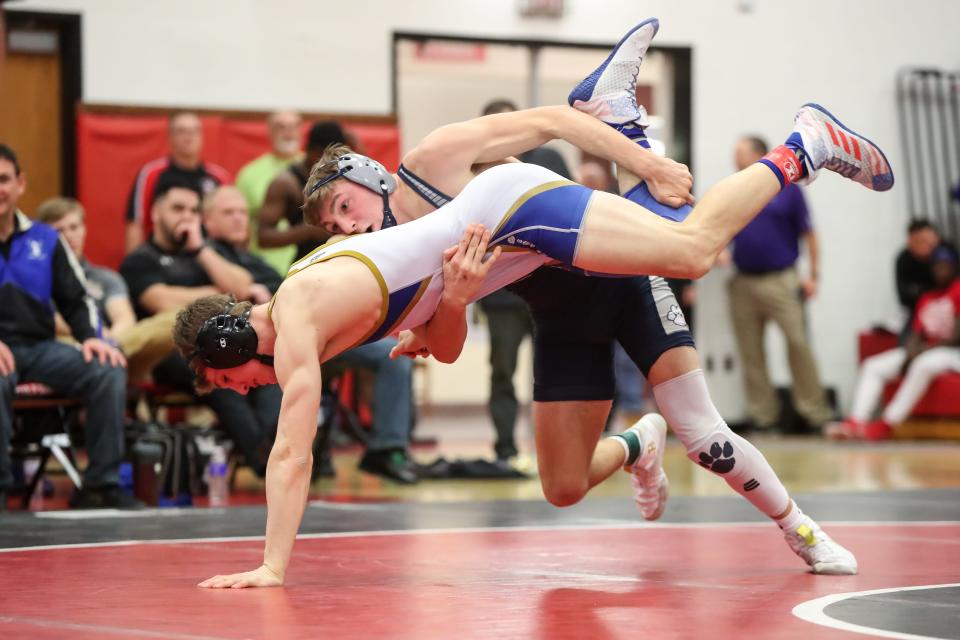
{"x":167,"y":464}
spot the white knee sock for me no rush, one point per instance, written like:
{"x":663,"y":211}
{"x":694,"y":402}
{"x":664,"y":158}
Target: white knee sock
{"x":685,"y":403}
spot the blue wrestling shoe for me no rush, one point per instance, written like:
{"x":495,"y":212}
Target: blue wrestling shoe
{"x":827,"y":144}
{"x":610,"y":92}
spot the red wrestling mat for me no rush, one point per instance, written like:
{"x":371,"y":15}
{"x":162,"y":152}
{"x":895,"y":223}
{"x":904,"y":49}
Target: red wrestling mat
{"x":671,"y":581}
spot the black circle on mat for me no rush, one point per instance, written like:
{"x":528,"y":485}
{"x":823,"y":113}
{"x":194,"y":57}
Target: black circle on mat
{"x":933,"y":612}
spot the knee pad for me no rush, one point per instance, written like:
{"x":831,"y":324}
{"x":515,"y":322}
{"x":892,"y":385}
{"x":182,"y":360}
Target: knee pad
{"x":721,"y":452}
{"x":685,"y":402}
{"x":743,"y":467}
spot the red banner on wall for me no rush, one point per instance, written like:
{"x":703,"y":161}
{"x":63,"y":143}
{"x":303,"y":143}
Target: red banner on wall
{"x":111,"y":149}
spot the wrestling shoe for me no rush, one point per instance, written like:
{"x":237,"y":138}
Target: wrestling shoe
{"x":650,"y":485}
{"x":610,"y":92}
{"x":820,"y":551}
{"x":825,"y":143}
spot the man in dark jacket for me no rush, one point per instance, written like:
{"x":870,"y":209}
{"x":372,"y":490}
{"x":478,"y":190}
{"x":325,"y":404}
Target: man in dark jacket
{"x":38,"y":274}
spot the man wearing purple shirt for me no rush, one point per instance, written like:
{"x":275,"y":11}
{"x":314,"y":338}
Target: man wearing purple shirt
{"x":767,"y":287}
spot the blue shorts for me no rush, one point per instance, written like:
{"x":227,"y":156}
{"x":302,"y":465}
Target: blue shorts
{"x":578,"y":318}
{"x":551,"y":221}
{"x":548,"y":222}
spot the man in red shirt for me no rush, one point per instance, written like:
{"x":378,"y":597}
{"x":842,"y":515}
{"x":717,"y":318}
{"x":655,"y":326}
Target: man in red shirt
{"x":183,"y":166}
{"x":933,"y":348}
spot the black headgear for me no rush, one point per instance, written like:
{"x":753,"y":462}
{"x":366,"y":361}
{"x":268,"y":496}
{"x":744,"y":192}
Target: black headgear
{"x":226,"y":341}
{"x":368,"y":173}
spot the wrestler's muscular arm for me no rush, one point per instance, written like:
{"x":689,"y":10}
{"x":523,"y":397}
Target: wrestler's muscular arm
{"x":446,"y":157}
{"x":288,"y":469}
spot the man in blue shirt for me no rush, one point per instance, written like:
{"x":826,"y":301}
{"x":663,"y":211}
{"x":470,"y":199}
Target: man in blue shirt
{"x":39,"y":273}
{"x":766,"y":288}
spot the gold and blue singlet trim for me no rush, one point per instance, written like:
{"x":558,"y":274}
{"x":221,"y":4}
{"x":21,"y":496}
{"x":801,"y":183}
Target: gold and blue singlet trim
{"x":522,"y":200}
{"x":356,"y":255}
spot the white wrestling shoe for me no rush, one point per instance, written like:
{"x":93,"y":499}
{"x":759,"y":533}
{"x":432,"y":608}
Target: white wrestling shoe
{"x":650,"y":485}
{"x":610,"y":92}
{"x":828,"y":144}
{"x":824,"y":555}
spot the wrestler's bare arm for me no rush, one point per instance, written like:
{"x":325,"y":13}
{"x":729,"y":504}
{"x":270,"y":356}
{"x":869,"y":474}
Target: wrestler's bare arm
{"x":299,"y":340}
{"x":447,"y":156}
{"x":464,"y":270}
{"x":297,"y":364}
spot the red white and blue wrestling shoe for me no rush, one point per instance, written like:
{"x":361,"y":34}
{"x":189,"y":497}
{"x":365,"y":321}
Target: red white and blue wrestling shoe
{"x":828,"y":144}
{"x":610,"y":92}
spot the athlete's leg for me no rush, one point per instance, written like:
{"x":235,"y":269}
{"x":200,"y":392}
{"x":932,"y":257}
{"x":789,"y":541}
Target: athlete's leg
{"x":657,"y":339}
{"x":618,"y":236}
{"x":616,"y":239}
{"x":575,"y":321}
{"x":686,"y":404}
{"x":569,"y":457}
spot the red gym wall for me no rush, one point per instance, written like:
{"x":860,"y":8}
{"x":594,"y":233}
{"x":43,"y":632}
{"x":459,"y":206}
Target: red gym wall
{"x":111,"y":148}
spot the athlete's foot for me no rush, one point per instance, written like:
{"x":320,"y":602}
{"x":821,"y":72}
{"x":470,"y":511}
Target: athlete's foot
{"x":610,"y":92}
{"x":650,"y":485}
{"x":821,"y":552}
{"x":823,"y":142}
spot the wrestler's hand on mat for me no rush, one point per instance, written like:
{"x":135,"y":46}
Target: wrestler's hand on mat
{"x":464,"y":267}
{"x":410,"y":344}
{"x":670,"y":183}
{"x":259,"y":577}
{"x":105,"y":353}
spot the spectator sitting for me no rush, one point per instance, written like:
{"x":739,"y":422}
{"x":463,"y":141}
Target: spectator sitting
{"x":932,"y":348}
{"x":40,"y":271}
{"x":914,"y":276}
{"x":227,"y":223}
{"x":386,"y":453}
{"x":285,"y":196}
{"x":229,"y":235}
{"x":184,"y":165}
{"x":254,"y":178}
{"x":144,"y":343}
{"x":173,"y":268}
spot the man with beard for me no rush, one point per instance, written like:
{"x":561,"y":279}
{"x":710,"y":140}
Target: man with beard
{"x":174,"y":267}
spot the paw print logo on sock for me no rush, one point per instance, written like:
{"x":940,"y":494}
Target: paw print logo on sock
{"x":720,"y":459}
{"x":675,"y":315}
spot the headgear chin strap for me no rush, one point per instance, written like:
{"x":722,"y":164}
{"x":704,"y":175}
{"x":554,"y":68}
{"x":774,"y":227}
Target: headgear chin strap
{"x":226,"y":341}
{"x":369,"y":173}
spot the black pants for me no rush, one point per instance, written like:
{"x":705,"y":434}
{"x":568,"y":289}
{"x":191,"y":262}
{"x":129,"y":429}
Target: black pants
{"x":250,"y":421}
{"x":61,"y":367}
{"x":508,"y":325}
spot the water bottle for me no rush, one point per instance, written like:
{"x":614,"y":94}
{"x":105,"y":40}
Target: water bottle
{"x":217,"y":477}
